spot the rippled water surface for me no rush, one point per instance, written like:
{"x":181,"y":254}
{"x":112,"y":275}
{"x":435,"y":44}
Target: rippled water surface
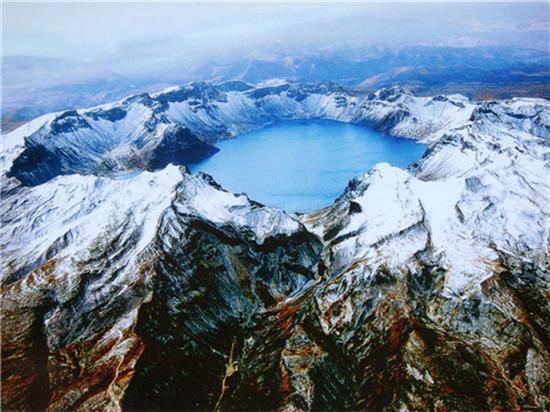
{"x":303,"y":165}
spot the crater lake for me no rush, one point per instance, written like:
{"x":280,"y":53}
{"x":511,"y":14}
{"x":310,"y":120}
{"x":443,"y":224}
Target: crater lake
{"x":303,"y":165}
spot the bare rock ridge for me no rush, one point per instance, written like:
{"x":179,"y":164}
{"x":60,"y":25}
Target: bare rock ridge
{"x":129,"y":283}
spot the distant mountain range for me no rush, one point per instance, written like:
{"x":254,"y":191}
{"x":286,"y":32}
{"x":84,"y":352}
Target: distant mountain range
{"x":33,"y":86}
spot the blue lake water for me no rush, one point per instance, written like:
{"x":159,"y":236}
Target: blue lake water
{"x":303,"y":165}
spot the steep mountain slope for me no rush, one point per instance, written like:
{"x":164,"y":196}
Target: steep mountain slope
{"x":444,"y":273}
{"x":417,"y":289}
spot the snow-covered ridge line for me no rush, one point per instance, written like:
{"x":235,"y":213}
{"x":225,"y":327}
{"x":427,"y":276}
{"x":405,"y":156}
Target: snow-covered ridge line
{"x":482,"y":192}
{"x":470,"y":145}
{"x":180,"y":124}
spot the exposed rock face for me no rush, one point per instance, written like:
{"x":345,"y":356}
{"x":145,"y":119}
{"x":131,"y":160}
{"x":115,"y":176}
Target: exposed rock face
{"x":214,"y":273}
{"x":417,"y":289}
{"x":73,"y":282}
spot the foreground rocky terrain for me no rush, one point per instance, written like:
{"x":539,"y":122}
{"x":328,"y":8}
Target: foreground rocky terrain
{"x":129,"y":283}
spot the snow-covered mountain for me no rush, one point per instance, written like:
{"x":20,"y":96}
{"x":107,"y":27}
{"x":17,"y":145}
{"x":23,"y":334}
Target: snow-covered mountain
{"x":179,"y":124}
{"x":129,"y":282}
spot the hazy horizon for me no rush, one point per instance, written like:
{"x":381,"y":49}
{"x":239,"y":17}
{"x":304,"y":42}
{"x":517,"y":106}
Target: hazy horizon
{"x":105,"y":31}
{"x":60,"y":55}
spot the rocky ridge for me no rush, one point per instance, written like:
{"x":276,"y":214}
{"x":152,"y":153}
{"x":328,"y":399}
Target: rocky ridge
{"x":424,"y":288}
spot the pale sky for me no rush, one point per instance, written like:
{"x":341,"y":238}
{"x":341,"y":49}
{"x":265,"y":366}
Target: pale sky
{"x":101,"y":30}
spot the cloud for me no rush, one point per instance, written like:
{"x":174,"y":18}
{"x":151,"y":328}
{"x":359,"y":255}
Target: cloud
{"x":514,"y":27}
